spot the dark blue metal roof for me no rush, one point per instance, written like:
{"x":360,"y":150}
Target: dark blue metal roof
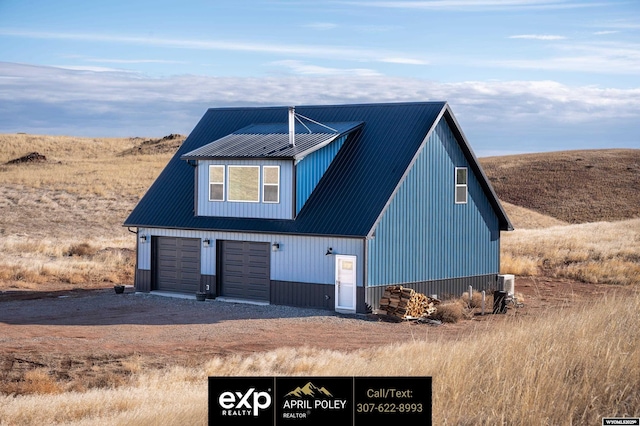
{"x":349,"y":197}
{"x":271,"y":140}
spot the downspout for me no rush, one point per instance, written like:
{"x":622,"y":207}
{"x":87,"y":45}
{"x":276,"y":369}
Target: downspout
{"x":135,"y":272}
{"x":365,"y":276}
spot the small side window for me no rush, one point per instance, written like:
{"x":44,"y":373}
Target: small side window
{"x":216,"y":183}
{"x":271,"y":184}
{"x":461,"y":185}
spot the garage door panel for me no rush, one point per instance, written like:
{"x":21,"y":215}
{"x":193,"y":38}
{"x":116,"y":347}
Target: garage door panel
{"x":234,"y":269}
{"x":245,"y":270}
{"x":178,"y":264}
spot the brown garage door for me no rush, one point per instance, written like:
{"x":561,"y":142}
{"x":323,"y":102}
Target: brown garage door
{"x":178,"y":264}
{"x":245,"y":270}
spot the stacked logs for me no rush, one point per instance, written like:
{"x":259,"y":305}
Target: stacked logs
{"x":405,"y":303}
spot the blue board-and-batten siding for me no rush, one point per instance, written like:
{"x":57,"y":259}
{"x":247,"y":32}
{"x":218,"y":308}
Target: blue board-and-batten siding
{"x":424,"y":235}
{"x":281,"y":210}
{"x":300,"y":259}
{"x":311,"y":168}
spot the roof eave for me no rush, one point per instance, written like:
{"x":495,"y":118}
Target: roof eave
{"x":248,"y":231}
{"x":263,"y":157}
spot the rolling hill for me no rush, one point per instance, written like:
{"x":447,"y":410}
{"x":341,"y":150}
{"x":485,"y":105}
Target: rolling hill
{"x":571,"y":186}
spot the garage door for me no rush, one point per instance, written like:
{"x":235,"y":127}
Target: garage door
{"x":245,"y":270}
{"x":178,"y":264}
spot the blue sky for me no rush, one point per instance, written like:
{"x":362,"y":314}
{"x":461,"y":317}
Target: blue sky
{"x":520,"y":75}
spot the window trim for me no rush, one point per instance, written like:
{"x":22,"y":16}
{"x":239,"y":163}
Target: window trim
{"x":230,"y":166}
{"x":461,"y":185}
{"x":224,"y":175}
{"x":265,"y":184}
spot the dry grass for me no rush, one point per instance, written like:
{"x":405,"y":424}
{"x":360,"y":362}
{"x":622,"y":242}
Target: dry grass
{"x":29,"y":263}
{"x":454,"y":310}
{"x":81,"y":166}
{"x":61,"y":223}
{"x":573,"y":186}
{"x":593,"y":252}
{"x":449,"y":312}
{"x":62,"y":220}
{"x":572,"y":367}
{"x":523,"y":218}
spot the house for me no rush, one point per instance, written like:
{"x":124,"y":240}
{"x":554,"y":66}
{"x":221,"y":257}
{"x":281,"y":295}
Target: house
{"x":321,"y":206}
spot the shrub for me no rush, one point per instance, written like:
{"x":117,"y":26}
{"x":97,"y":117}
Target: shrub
{"x":39,"y":381}
{"x":518,"y":265}
{"x":82,"y":249}
{"x":475,"y":302}
{"x":448,"y":312}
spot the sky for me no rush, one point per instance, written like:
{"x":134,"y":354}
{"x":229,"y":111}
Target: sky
{"x":519,"y":75}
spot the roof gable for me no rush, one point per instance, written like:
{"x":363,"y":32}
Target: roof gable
{"x":349,"y":197}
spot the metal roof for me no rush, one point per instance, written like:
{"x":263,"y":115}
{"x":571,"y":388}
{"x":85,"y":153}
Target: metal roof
{"x":353,"y":191}
{"x":271,"y":140}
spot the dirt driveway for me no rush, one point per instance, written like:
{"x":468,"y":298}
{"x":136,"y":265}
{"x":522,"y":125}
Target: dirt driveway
{"x":90,"y":333}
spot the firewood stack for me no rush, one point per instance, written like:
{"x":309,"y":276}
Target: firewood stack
{"x":405,"y":303}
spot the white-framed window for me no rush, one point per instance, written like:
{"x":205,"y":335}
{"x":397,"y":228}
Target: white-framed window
{"x":461,"y":185}
{"x":270,"y":184}
{"x":216,"y":183}
{"x":244,"y":184}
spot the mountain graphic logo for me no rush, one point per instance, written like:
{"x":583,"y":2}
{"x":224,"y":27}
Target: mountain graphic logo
{"x":309,"y":390}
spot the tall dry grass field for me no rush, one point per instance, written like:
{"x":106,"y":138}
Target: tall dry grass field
{"x":80,"y":195}
{"x":572,"y":367}
{"x":33,"y":263}
{"x":604,"y":252}
{"x":81,"y":166}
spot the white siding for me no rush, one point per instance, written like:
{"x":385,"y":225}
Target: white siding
{"x":300,"y":258}
{"x":281,"y":210}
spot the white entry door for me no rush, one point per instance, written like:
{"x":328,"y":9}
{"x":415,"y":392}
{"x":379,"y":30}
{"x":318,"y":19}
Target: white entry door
{"x":345,"y":283}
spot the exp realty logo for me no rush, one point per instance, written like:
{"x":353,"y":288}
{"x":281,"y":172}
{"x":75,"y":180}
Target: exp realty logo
{"x":241,"y":400}
{"x":314,"y":401}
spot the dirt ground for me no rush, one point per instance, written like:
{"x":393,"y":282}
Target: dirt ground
{"x":91,"y":338}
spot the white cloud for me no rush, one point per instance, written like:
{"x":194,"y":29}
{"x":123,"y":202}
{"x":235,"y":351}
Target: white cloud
{"x":621,"y":24}
{"x":301,"y":68}
{"x":49,"y":84}
{"x":303,"y":50}
{"x":478,"y":5}
{"x":121,"y":61}
{"x":546,"y":37}
{"x":322,"y":26}
{"x":606,"y":32}
{"x":404,"y":61}
{"x":613,"y":58}
{"x":89,"y":68}
{"x":133,"y":61}
{"x":40,"y":99}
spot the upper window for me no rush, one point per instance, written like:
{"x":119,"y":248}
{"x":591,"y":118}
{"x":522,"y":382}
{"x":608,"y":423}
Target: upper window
{"x":461,"y":185}
{"x":271,"y":184}
{"x":244,"y":183}
{"x":216,"y":183}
